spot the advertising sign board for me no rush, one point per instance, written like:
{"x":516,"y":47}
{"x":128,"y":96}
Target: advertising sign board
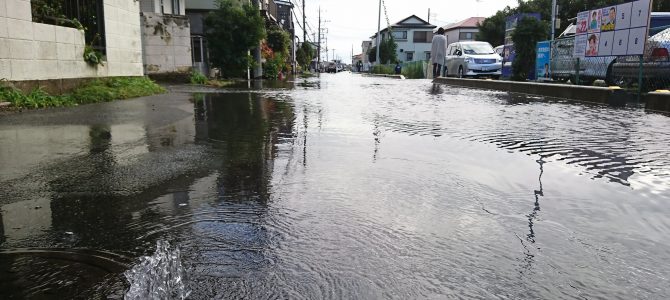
{"x":542,"y":65}
{"x":613,"y":30}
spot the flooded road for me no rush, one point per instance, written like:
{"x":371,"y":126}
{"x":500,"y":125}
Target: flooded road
{"x":338,"y":187}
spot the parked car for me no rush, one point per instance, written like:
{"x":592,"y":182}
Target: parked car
{"x":472,"y":59}
{"x":564,"y":65}
{"x":655,"y":64}
{"x":334,"y":67}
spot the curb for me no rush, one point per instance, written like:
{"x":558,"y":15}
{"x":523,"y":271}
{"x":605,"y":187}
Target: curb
{"x":385,"y":75}
{"x":658,"y":101}
{"x":591,"y":94}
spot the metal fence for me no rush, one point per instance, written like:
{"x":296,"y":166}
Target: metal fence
{"x":644,"y":73}
{"x":88,"y":14}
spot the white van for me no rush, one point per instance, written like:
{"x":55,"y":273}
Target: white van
{"x":472,"y":59}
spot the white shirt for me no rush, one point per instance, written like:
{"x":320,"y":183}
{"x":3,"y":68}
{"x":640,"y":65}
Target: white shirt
{"x":438,"y":50}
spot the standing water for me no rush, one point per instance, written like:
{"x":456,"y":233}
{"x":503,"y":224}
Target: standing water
{"x":339,"y":186}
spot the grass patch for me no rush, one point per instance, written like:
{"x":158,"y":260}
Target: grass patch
{"x":197,"y":78}
{"x":383,"y":69}
{"x":99,"y":90}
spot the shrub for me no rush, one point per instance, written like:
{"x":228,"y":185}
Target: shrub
{"x":198,"y":78}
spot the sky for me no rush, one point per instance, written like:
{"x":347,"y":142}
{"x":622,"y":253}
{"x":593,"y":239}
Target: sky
{"x":350,"y":22}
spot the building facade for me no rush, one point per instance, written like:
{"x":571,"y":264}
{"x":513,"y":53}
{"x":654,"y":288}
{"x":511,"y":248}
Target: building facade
{"x":166,"y":37}
{"x":413,"y":36}
{"x":465,"y":30}
{"x":33,"y":49}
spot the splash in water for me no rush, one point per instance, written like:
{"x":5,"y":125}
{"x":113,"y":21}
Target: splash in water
{"x":159,"y":276}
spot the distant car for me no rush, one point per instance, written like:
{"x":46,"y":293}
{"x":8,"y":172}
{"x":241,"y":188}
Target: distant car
{"x":472,"y":59}
{"x":655,"y":65}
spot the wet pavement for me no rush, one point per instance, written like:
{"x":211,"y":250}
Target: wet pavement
{"x":335,"y":187}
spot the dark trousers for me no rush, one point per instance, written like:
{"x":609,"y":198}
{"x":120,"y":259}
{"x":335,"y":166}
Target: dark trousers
{"x":437,"y":70}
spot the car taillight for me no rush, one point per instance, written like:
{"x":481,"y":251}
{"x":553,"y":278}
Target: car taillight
{"x":660,"y":54}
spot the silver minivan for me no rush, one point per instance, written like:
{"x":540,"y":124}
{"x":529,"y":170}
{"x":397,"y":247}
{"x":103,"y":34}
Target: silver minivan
{"x":472,"y":59}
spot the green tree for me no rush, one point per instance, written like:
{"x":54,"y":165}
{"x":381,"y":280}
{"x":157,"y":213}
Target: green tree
{"x":528,"y":32}
{"x":387,"y":54}
{"x":492,"y":29}
{"x":278,"y":40}
{"x":233,"y":30}
{"x":304,"y":55}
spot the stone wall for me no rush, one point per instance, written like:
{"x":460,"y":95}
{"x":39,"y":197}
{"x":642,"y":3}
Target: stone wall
{"x":167,"y":43}
{"x":35,"y":51}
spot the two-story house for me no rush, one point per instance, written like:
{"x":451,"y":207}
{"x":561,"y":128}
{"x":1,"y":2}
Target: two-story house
{"x":413,"y":36}
{"x":465,"y":30}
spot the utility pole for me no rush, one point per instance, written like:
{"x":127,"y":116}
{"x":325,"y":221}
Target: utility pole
{"x":318,"y":46}
{"x":553,"y":19}
{"x":333,"y":53}
{"x":304,"y":26}
{"x":428,"y":15}
{"x":379,"y":37}
{"x":258,"y":71}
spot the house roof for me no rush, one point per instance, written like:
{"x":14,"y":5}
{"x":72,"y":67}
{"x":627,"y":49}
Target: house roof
{"x":467,"y":23}
{"x":410,"y":22}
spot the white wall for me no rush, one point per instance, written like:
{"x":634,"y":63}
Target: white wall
{"x":34,"y":51}
{"x":408,"y":45}
{"x":167,"y":43}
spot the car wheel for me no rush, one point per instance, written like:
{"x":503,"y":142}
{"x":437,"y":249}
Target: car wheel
{"x":460,"y":72}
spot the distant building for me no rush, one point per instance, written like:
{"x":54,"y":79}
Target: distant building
{"x":413,"y":36}
{"x":365,"y":46}
{"x":465,"y":30}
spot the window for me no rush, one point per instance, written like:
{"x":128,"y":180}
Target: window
{"x":423,"y":36}
{"x":427,"y":55}
{"x":400,"y":35}
{"x":176,"y":10}
{"x":410,"y":56}
{"x":162,"y":6}
{"x":467,"y":36}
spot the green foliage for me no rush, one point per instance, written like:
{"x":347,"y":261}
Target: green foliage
{"x":528,"y":32}
{"x":304,"y":55}
{"x":100,"y":90}
{"x":234,"y":30}
{"x":278,"y":40}
{"x":387,"y":53}
{"x":51,"y":12}
{"x":197,"y":78}
{"x":93,"y":57}
{"x":273,"y":66}
{"x":413,"y":70}
{"x":492,"y":29}
{"x":383,"y":69}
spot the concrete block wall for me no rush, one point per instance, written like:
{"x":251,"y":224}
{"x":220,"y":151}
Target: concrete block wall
{"x":167,"y":43}
{"x":35,"y":51}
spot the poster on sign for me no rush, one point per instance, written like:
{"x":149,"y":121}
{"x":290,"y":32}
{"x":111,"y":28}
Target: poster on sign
{"x":592,"y":44}
{"x":582,"y":22}
{"x":542,"y":60}
{"x":605,"y":45}
{"x":640,"y":14}
{"x":623,"y":16}
{"x":620,"y":46}
{"x":594,"y":20}
{"x":608,"y":19}
{"x":617,"y":30}
{"x":636,"y":40}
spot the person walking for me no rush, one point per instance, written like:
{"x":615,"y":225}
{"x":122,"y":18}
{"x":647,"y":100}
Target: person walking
{"x":438,"y":52}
